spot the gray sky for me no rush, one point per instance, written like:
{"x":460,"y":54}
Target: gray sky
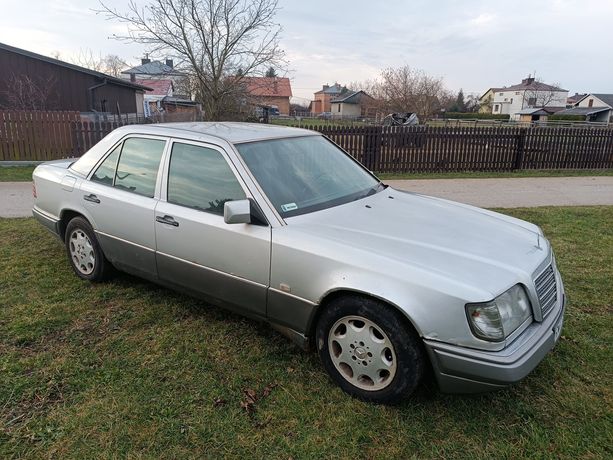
{"x":472,"y":44}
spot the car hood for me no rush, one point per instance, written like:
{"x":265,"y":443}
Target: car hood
{"x":460,"y":243}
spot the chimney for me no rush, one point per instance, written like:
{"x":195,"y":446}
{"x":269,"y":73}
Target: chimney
{"x":325,"y":87}
{"x":132,"y":77}
{"x":527,"y":81}
{"x":145,"y":60}
{"x":169,"y":63}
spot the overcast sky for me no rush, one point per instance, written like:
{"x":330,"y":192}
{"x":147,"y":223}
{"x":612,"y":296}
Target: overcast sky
{"x":472,"y":44}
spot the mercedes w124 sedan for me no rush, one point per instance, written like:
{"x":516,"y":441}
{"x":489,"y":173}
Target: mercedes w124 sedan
{"x":282,"y":225}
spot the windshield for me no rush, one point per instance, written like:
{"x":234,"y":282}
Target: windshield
{"x":306,"y":174}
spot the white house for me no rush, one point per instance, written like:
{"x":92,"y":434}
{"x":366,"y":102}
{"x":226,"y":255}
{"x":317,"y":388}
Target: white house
{"x":353,"y":104}
{"x":513,"y":100}
{"x":594,"y":107}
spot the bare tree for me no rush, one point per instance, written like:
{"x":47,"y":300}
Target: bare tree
{"x":110,"y":64}
{"x":539,"y":94}
{"x":212,"y":40}
{"x":406,"y":89}
{"x":113,"y":65}
{"x":86,"y":58}
{"x":30,"y":93}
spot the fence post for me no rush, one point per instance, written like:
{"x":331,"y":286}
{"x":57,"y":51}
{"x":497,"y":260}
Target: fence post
{"x":372,"y":147}
{"x":520,"y":149}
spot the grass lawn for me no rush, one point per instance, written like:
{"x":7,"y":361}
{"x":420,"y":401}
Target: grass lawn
{"x":128,"y":369}
{"x":16,"y":173}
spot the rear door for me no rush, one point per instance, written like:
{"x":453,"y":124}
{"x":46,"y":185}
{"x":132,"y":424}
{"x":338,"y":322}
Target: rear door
{"x":121,"y":196}
{"x":196,"y":249}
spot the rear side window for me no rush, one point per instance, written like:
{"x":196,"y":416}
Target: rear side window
{"x":200,"y":178}
{"x":139,"y":161}
{"x":138,"y":165}
{"x":106,"y":171}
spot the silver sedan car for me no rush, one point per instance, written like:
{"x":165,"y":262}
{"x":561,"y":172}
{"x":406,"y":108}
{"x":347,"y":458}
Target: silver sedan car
{"x":283,"y":226}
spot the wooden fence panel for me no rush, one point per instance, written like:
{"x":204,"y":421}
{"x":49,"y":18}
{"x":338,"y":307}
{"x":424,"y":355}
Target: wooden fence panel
{"x":36,"y":135}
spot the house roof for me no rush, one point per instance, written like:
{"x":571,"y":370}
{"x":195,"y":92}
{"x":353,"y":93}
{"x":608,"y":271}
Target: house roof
{"x":334,"y":89}
{"x":535,"y":111}
{"x":153,"y":68}
{"x":533,"y":85}
{"x":268,"y":86}
{"x":606,"y":98}
{"x":100,"y":75}
{"x":179,"y":101}
{"x":158,"y":87}
{"x":351,"y":97}
{"x":575,"y":98}
{"x":582,"y":110}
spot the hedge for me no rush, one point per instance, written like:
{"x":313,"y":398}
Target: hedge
{"x":567,"y":117}
{"x":476,"y":115}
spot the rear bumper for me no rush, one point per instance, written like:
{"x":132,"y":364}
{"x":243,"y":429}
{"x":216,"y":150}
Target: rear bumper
{"x":462,"y":370}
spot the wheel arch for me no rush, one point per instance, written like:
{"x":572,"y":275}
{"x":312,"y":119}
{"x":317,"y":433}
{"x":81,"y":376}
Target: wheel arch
{"x":334,"y":294}
{"x":65,"y":217}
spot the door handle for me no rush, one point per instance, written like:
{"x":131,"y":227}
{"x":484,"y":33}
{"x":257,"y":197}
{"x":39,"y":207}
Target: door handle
{"x":91,"y":197}
{"x":168,"y":220}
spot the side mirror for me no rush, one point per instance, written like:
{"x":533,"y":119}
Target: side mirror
{"x":237,"y":212}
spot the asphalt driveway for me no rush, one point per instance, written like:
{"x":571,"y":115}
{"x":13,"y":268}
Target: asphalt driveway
{"x":16,"y":197}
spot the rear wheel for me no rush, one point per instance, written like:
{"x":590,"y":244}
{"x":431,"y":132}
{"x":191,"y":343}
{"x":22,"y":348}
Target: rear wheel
{"x":369,"y":349}
{"x":84,"y":251}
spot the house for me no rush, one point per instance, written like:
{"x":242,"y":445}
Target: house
{"x":59,"y":85}
{"x":535,"y":114}
{"x":353,"y":104}
{"x":269,"y":91}
{"x":154,"y":70}
{"x":596,"y":100}
{"x":572,"y":100}
{"x":530,"y":93}
{"x":595,"y":107}
{"x":161,"y":99}
{"x":321,"y":99}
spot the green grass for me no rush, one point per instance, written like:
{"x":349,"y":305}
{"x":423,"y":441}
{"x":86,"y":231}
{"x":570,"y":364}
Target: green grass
{"x":16,"y":173}
{"x":494,"y":174}
{"x":129,"y":369}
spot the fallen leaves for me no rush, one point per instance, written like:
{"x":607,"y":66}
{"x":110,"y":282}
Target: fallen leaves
{"x":250,"y":397}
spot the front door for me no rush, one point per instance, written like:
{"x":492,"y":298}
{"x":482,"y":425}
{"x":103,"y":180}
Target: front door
{"x":120,"y":197}
{"x":196,"y":249}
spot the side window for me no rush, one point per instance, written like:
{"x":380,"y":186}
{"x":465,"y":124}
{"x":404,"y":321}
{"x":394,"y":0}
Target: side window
{"x":138,"y":165}
{"x":200,"y":178}
{"x":106,"y":171}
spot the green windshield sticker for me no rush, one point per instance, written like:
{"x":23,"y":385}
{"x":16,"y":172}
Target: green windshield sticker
{"x":289,"y":207}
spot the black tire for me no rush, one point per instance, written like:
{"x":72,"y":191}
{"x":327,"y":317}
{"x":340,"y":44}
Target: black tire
{"x":101,"y":268}
{"x":407,"y":347}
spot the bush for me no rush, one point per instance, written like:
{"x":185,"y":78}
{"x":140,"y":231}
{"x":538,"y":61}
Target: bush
{"x":476,"y":116}
{"x":567,"y":118}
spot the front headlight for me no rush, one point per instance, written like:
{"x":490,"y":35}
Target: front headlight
{"x":496,"y":320}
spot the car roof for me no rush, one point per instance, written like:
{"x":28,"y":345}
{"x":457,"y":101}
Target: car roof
{"x":232,"y":132}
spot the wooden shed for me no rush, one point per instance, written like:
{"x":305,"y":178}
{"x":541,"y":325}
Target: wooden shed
{"x":35,"y":82}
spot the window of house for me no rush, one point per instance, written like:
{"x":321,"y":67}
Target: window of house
{"x":532,"y":101}
{"x":339,"y":108}
{"x":590,"y":103}
{"x":506,"y":99}
{"x":200,"y":178}
{"x":500,"y":94}
{"x":138,"y":165}
{"x":496,"y":107}
{"x":511,"y":100}
{"x":517,"y":93}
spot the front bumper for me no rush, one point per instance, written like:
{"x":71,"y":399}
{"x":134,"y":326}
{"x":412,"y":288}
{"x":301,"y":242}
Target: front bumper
{"x":462,"y":370}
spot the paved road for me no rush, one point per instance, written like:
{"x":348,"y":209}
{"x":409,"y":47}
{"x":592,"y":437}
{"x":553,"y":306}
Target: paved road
{"x":16,"y":197}
{"x":517,"y":192}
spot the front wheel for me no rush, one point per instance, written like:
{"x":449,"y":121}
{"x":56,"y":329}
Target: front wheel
{"x":369,"y":349}
{"x":84,"y":251}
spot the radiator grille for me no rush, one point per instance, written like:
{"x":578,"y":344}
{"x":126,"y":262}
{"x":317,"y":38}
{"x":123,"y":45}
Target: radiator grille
{"x":546,"y":290}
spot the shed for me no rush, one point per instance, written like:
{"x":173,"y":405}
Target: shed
{"x":57,"y":85}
